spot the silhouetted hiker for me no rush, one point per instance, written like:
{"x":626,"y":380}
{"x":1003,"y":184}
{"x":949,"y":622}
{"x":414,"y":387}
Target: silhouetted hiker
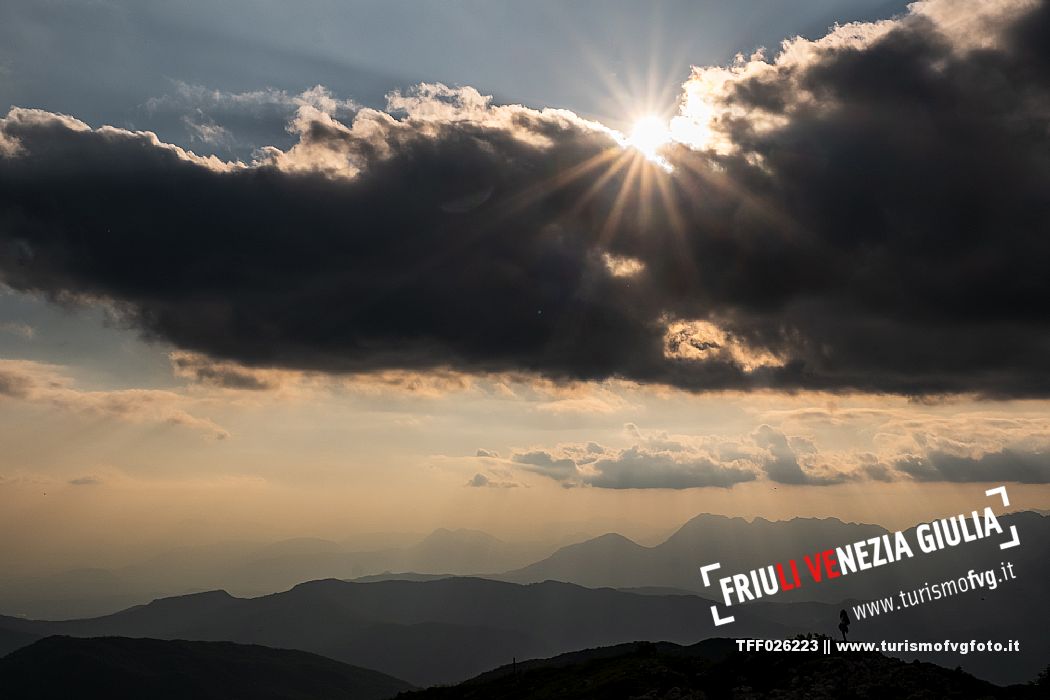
{"x":843,"y":623}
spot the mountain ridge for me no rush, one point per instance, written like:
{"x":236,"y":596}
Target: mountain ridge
{"x":120,"y":667}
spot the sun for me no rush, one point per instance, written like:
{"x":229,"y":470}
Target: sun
{"x":648,"y":135}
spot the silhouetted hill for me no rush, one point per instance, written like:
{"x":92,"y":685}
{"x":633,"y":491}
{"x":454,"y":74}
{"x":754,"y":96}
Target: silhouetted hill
{"x":251,"y":568}
{"x":456,"y":552}
{"x":616,"y":561}
{"x":71,"y":593}
{"x":609,"y":560}
{"x":11,"y":639}
{"x":117,"y":667}
{"x":427,"y":632}
{"x":713,"y":669}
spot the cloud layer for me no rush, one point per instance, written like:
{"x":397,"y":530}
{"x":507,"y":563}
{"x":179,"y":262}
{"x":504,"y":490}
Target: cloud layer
{"x":864,"y":212}
{"x":809,"y":447}
{"x":46,"y":385}
{"x":662,"y":461}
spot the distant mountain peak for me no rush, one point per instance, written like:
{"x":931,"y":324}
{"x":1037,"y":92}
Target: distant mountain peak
{"x":611,"y":537}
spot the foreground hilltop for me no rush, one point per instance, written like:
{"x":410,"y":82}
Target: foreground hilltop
{"x":713,"y":669}
{"x":119,"y":667}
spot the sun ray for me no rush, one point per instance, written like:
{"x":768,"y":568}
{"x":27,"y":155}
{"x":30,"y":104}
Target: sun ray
{"x":537,"y":191}
{"x":612,"y":220}
{"x":618,"y":164}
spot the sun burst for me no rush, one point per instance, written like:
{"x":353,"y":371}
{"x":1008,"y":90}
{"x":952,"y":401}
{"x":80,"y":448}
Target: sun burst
{"x":648,"y":135}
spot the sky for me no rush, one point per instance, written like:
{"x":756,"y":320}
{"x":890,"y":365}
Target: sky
{"x":538,"y":269}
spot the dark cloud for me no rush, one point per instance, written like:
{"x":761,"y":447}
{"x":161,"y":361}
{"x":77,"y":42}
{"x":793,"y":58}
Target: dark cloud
{"x":479,"y":480}
{"x":486,"y":453}
{"x":873,"y":469}
{"x":781,"y":464}
{"x":644,"y":466}
{"x":873,"y":219}
{"x":224,"y":375}
{"x":542,"y":462}
{"x":635,"y":468}
{"x":1004,"y":465}
{"x":85,"y":481}
{"x":15,"y":385}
